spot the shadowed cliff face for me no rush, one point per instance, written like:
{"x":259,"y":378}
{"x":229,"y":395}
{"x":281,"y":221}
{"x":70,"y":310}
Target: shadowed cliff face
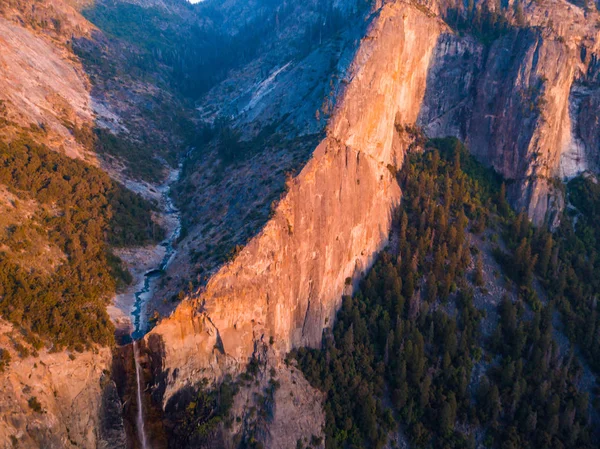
{"x":523,"y":104}
{"x":287,"y":283}
{"x":520,"y":118}
{"x":584,"y":103}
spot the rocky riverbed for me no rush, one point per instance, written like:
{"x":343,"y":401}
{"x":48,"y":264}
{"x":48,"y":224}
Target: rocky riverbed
{"x":132,"y":308}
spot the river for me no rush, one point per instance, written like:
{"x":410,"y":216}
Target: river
{"x":139,"y":314}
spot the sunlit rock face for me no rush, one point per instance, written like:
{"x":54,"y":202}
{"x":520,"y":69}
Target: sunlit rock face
{"x":41,"y":85}
{"x":288,"y":281}
{"x":584,"y":149}
{"x":520,"y":122}
{"x":515,"y":102}
{"x":78,"y":402}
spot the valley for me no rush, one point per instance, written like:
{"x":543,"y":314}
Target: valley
{"x":277,"y":224}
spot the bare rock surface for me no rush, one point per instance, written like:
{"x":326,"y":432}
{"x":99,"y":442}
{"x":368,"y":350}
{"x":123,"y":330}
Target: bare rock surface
{"x":68,"y":387}
{"x":278,"y":407}
{"x":48,"y":91}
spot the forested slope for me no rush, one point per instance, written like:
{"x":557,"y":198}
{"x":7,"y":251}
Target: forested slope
{"x":404,"y":347}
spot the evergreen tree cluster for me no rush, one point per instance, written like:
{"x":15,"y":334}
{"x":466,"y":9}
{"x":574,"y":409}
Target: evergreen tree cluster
{"x":530,"y":399}
{"x":567,"y":263}
{"x":485,"y":23}
{"x":396,"y":355}
{"x":194,"y":414}
{"x":81,"y":210}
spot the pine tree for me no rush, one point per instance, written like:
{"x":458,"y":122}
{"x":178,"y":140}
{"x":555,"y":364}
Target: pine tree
{"x":503,"y":206}
{"x":431,"y":288}
{"x":448,"y":414}
{"x":546,"y":254}
{"x":525,"y":262}
{"x":409,"y":286}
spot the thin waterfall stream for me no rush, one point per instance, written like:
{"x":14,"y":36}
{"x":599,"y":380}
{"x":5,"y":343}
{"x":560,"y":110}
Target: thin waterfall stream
{"x":140,"y":404}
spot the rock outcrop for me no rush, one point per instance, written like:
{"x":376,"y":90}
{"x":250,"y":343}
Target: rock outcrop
{"x":63,"y":398}
{"x":520,"y":121}
{"x":56,"y":400}
{"x":287,"y":283}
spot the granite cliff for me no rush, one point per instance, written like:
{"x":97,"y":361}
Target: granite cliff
{"x":287,"y":283}
{"x":53,"y":400}
{"x":519,"y":101}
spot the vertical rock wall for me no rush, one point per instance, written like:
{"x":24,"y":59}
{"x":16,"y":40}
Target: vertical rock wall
{"x":286,"y":285}
{"x":521,"y":122}
{"x":525,"y":104}
{"x":79,"y":404}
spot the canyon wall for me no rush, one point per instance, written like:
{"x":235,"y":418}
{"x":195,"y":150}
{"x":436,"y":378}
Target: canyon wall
{"x":524,"y":103}
{"x":44,"y":94}
{"x":520,"y":118}
{"x":510,"y":105}
{"x":521,"y":102}
{"x":286,"y":285}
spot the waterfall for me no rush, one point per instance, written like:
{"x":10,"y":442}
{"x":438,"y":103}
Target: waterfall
{"x":140,"y":411}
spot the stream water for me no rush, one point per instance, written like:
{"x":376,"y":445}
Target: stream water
{"x":142,"y":296}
